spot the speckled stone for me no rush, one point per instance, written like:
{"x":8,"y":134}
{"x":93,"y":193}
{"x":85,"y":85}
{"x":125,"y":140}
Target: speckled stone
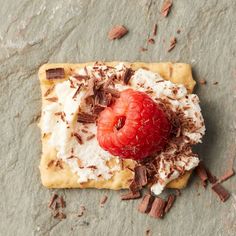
{"x":35,"y":32}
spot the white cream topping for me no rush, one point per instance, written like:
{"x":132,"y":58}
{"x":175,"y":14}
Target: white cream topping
{"x":90,"y":153}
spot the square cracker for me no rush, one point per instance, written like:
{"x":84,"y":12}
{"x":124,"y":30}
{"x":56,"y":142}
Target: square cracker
{"x":56,"y":174}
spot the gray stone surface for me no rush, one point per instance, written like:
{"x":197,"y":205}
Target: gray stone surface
{"x":35,"y":32}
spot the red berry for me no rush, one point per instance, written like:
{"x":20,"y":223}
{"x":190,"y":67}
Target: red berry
{"x":134,"y":126}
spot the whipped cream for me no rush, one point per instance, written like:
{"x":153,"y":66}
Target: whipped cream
{"x":88,"y":160}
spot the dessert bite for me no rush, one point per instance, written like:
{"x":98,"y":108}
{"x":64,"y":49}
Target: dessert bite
{"x":119,"y":125}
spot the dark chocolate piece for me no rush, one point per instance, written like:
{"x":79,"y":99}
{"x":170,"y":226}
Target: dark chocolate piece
{"x":222,"y":193}
{"x":55,"y":73}
{"x":170,"y":202}
{"x":146,"y":203}
{"x":158,"y":207}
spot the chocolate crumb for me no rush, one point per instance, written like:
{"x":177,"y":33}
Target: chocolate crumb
{"x":53,"y":99}
{"x":55,"y":73}
{"x":158,"y":207}
{"x":146,"y":203}
{"x":215,"y":83}
{"x":142,"y":49}
{"x":52,"y":200}
{"x":151,"y":41}
{"x":61,"y":216}
{"x":148,"y":232}
{"x":103,"y":200}
{"x":154,"y":30}
{"x":170,"y":202}
{"x":202,"y":81}
{"x":117,"y":32}
{"x":178,"y":31}
{"x":131,"y":195}
{"x":81,"y":211}
{"x":167,"y":4}
{"x":202,"y":174}
{"x":222,"y":193}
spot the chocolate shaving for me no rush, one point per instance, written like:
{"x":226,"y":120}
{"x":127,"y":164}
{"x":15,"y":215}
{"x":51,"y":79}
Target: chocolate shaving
{"x":78,"y":138}
{"x":115,"y":93}
{"x":55,"y":73}
{"x":53,"y":99}
{"x":127,"y":75}
{"x":103,"y":200}
{"x":222,"y":193}
{"x":178,"y":31}
{"x":62,"y":202}
{"x":170,"y":202}
{"x":215,"y":83}
{"x":77,"y":91}
{"x":52,"y":200}
{"x":90,"y":137}
{"x":117,"y":32}
{"x":92,"y":167}
{"x":81,"y":211}
{"x":202,"y":174}
{"x":158,"y":207}
{"x":167,"y":4}
{"x":49,"y":90}
{"x":173,"y":42}
{"x":155,"y":30}
{"x":86,"y":118}
{"x":228,"y":174}
{"x":148,"y":232}
{"x":146,"y":203}
{"x":131,"y":195}
{"x":98,"y":108}
{"x":140,"y":175}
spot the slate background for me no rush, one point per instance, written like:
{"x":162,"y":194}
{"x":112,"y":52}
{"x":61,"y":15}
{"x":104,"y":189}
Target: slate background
{"x":34,"y":32}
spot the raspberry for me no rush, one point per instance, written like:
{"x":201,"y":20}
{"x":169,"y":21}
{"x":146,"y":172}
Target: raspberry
{"x":134,"y":126}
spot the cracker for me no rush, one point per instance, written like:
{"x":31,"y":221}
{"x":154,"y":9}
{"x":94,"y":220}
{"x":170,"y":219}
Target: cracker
{"x":59,"y":175}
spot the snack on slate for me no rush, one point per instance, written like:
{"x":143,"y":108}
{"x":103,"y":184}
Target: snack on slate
{"x":79,"y":99}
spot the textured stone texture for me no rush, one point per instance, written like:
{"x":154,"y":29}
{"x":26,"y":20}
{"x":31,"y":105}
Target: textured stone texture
{"x":35,"y":32}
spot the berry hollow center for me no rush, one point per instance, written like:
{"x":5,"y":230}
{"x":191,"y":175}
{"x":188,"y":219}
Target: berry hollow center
{"x":120,"y":122}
